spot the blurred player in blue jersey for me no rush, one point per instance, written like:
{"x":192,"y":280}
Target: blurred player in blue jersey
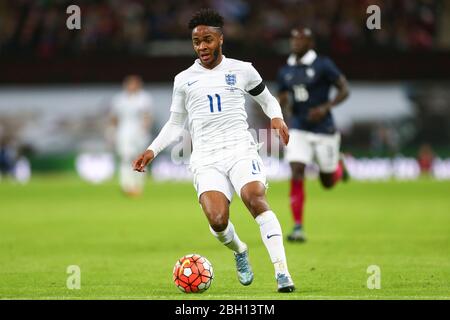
{"x":304,"y":85}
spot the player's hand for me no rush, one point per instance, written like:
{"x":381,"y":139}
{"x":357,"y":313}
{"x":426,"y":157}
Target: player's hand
{"x":318,"y":113}
{"x":143,"y":160}
{"x":280,"y":125}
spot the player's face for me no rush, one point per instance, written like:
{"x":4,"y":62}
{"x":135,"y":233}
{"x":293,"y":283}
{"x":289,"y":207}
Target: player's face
{"x":207,"y":42}
{"x":133,"y":84}
{"x":300,"y":43}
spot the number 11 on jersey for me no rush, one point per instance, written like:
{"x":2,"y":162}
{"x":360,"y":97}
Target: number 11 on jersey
{"x":211,"y":103}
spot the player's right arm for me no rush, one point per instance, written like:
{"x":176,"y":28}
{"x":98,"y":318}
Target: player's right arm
{"x":114,"y":111}
{"x":283,"y":99}
{"x":147,"y":118}
{"x":168,"y":134}
{"x":283,"y":93}
{"x":336,"y":78}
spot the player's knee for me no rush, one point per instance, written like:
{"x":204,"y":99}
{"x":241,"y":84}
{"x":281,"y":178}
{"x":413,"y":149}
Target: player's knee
{"x":218,"y":220}
{"x":257,"y":204}
{"x":298,"y":175}
{"x":298,"y":172}
{"x":327,"y":184}
{"x":218,"y":226}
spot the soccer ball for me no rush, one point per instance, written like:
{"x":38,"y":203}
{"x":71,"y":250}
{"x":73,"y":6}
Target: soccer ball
{"x":193,"y":273}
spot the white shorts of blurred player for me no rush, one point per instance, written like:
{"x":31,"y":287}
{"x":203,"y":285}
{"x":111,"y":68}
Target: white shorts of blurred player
{"x":307,"y":147}
{"x":130,"y":181}
{"x":230,"y":176}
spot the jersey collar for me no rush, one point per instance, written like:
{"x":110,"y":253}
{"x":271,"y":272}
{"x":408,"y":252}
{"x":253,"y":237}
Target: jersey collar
{"x":199,"y":64}
{"x":307,"y":59}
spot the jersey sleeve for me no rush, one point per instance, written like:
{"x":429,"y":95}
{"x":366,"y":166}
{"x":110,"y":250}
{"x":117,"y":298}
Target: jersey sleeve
{"x":281,"y":82}
{"x":178,"y":97}
{"x":331,"y":71}
{"x":253,"y":79}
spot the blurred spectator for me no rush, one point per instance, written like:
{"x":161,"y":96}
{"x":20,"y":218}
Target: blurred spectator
{"x":38,"y":28}
{"x":14,"y":163}
{"x":131,"y":115}
{"x":22,"y":170}
{"x":385,"y":140}
{"x":425,"y":158}
{"x":7,"y":158}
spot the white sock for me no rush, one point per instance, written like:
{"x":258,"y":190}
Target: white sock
{"x":272,"y":237}
{"x":229,"y":238}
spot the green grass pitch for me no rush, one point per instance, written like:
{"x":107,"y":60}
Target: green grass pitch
{"x":126,"y":248}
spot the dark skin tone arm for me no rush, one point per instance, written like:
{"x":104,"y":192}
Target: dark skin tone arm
{"x":114,"y":121}
{"x":282,"y":129}
{"x":318,"y":113}
{"x":283,"y":99}
{"x":143,"y":160}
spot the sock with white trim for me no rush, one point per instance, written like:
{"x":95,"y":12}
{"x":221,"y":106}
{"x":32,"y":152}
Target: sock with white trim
{"x":272,"y":237}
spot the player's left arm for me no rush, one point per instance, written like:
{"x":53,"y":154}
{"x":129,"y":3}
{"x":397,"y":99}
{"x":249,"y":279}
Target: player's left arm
{"x":270,"y":105}
{"x":340,"y":83}
{"x":148,"y":120}
{"x":113,"y":112}
{"x":342,"y":94}
{"x":272,"y":110}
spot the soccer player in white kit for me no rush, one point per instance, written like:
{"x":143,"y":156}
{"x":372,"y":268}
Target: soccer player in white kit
{"x":211,"y":96}
{"x":131,"y":115}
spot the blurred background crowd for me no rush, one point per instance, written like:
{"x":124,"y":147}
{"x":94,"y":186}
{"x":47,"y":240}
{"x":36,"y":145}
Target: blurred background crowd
{"x":37,"y":27}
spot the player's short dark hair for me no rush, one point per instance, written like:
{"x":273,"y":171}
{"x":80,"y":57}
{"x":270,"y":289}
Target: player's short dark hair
{"x":206,"y":17}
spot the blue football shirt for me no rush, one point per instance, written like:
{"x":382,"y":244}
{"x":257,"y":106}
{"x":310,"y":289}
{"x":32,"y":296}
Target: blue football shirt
{"x":309,"y":85}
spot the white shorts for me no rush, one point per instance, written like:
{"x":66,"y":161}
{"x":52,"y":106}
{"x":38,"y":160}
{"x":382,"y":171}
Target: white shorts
{"x":306,"y":147}
{"x":218,"y":177}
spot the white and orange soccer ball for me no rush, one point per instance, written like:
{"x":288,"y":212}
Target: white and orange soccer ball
{"x":193,"y":273}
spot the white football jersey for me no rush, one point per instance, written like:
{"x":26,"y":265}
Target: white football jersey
{"x":214,"y":100}
{"x":129,"y":110}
